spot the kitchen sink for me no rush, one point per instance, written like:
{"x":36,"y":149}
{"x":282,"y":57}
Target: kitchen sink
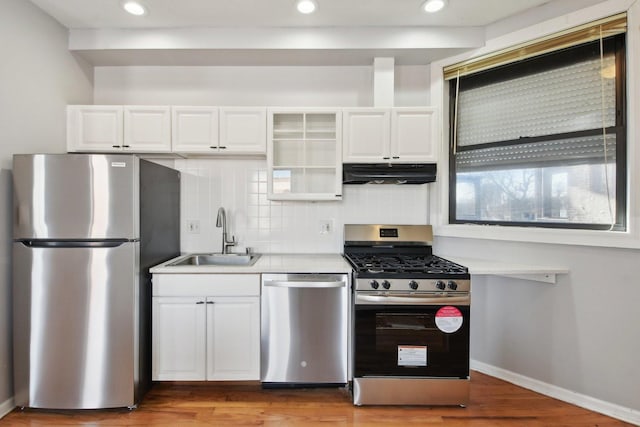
{"x":217,"y":259}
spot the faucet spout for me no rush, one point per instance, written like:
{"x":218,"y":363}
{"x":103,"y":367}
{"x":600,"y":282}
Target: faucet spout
{"x":221,"y":221}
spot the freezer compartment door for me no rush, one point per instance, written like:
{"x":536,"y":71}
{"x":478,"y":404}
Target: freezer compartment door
{"x":74,"y":326}
{"x":304,"y":329}
{"x":75,"y":196}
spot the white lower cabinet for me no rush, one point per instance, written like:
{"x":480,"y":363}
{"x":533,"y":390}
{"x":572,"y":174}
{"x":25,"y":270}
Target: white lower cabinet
{"x":233,"y":338}
{"x":211,"y":334}
{"x":179,"y":338}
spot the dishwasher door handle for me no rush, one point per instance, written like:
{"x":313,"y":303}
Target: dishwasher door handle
{"x":303,"y":284}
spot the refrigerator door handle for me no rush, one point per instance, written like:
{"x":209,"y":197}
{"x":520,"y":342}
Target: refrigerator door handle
{"x":112,"y":243}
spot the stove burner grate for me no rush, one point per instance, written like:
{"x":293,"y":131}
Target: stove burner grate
{"x":417,"y":264}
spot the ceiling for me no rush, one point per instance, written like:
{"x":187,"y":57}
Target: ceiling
{"x":272,"y":32}
{"x":279,"y":13}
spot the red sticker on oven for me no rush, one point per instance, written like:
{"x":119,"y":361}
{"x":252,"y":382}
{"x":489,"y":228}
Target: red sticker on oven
{"x":448,"y":319}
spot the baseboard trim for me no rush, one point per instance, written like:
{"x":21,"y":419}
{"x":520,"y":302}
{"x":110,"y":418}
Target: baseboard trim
{"x":610,"y":409}
{"x":6,"y":407}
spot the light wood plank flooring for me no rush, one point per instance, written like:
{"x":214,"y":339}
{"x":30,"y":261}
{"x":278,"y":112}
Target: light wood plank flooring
{"x":493,"y":403}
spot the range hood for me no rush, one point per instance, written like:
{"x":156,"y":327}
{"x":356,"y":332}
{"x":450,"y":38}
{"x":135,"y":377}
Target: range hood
{"x":388,"y":173}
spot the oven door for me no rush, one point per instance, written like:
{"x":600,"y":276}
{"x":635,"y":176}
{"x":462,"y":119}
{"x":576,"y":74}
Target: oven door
{"x":411,"y":337}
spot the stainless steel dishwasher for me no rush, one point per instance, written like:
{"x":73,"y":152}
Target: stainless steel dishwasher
{"x":304,"y":330}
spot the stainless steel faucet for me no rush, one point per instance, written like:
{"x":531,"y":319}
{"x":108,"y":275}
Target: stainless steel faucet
{"x":221,"y":221}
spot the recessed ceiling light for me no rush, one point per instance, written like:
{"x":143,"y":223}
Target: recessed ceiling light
{"x":433,"y":5}
{"x":134,"y":8}
{"x":306,"y":6}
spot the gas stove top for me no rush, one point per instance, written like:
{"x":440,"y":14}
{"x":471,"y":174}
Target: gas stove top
{"x":404,"y":265}
{"x":389,"y":258}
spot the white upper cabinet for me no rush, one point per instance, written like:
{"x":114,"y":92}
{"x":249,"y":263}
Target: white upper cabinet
{"x":114,"y":128}
{"x":147,"y":129}
{"x":94,"y":128}
{"x":389,"y":135}
{"x":219,"y":130}
{"x":162,"y":129}
{"x":413,"y":134}
{"x":366,"y":135}
{"x":304,"y":154}
{"x":194,"y":130}
{"x":243,"y":130}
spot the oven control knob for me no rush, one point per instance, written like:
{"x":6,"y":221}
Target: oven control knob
{"x":452,"y":285}
{"x":374,"y":284}
{"x":413,"y":285}
{"x":440,"y":285}
{"x":386,"y":284}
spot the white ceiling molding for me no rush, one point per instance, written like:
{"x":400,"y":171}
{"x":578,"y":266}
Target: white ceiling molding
{"x":272,"y":46}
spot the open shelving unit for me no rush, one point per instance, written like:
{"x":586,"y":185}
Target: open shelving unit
{"x":304,"y":154}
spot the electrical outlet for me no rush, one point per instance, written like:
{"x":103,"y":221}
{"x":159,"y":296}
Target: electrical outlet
{"x":326,"y":226}
{"x":193,"y":226}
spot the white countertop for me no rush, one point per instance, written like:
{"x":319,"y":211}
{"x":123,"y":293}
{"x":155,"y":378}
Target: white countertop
{"x":267,"y":263}
{"x":540,"y":273}
{"x":335,"y":263}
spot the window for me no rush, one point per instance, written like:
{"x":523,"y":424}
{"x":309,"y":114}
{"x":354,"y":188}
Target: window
{"x":542,"y":141}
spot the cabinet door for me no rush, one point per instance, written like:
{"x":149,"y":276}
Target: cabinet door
{"x":412,"y":134}
{"x":194,"y":129}
{"x":243,"y":130}
{"x":147,"y":129}
{"x":178,"y":338}
{"x":366,"y":135}
{"x":94,"y":128}
{"x":233,"y":338}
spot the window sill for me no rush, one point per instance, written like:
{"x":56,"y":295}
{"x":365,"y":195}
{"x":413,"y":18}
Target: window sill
{"x":546,"y":274}
{"x":612,"y":239}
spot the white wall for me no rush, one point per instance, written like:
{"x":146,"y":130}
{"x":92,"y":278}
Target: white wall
{"x":38,"y":78}
{"x":580,"y":334}
{"x":347,"y":86}
{"x":578,"y":338}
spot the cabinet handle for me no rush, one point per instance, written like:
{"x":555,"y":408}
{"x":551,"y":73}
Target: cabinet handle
{"x":222,"y":147}
{"x":126,"y":146}
{"x":213,"y":146}
{"x":116,"y":146}
{"x":386,"y":158}
{"x":209,"y":302}
{"x":200,"y":302}
{"x":396,"y":157}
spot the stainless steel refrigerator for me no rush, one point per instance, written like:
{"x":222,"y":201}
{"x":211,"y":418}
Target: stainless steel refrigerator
{"x":86,"y":229}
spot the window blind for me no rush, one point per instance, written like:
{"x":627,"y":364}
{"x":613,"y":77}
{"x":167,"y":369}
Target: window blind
{"x":588,"y":149}
{"x":605,"y":27}
{"x":560,"y":100}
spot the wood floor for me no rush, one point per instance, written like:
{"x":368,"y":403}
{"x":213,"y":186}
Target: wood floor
{"x":493,"y":403}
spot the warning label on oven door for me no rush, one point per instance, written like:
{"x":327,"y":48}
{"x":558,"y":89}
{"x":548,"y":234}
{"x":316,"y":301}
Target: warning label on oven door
{"x":448,"y":319}
{"x":412,"y":355}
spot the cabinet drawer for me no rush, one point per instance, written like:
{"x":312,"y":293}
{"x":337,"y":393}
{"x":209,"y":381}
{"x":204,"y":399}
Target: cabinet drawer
{"x":206,"y":284}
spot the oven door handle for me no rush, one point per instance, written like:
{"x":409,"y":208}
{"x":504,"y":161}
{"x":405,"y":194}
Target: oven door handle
{"x":412,"y":300}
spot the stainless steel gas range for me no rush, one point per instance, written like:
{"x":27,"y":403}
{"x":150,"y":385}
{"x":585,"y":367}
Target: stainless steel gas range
{"x":411,"y":315}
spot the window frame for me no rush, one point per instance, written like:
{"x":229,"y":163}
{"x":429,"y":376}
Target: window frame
{"x":617,"y":44}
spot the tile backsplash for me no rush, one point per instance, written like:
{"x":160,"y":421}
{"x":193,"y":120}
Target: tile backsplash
{"x":240,"y":186}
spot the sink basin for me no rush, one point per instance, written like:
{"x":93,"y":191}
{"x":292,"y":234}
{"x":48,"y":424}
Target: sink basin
{"x":217,"y":259}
